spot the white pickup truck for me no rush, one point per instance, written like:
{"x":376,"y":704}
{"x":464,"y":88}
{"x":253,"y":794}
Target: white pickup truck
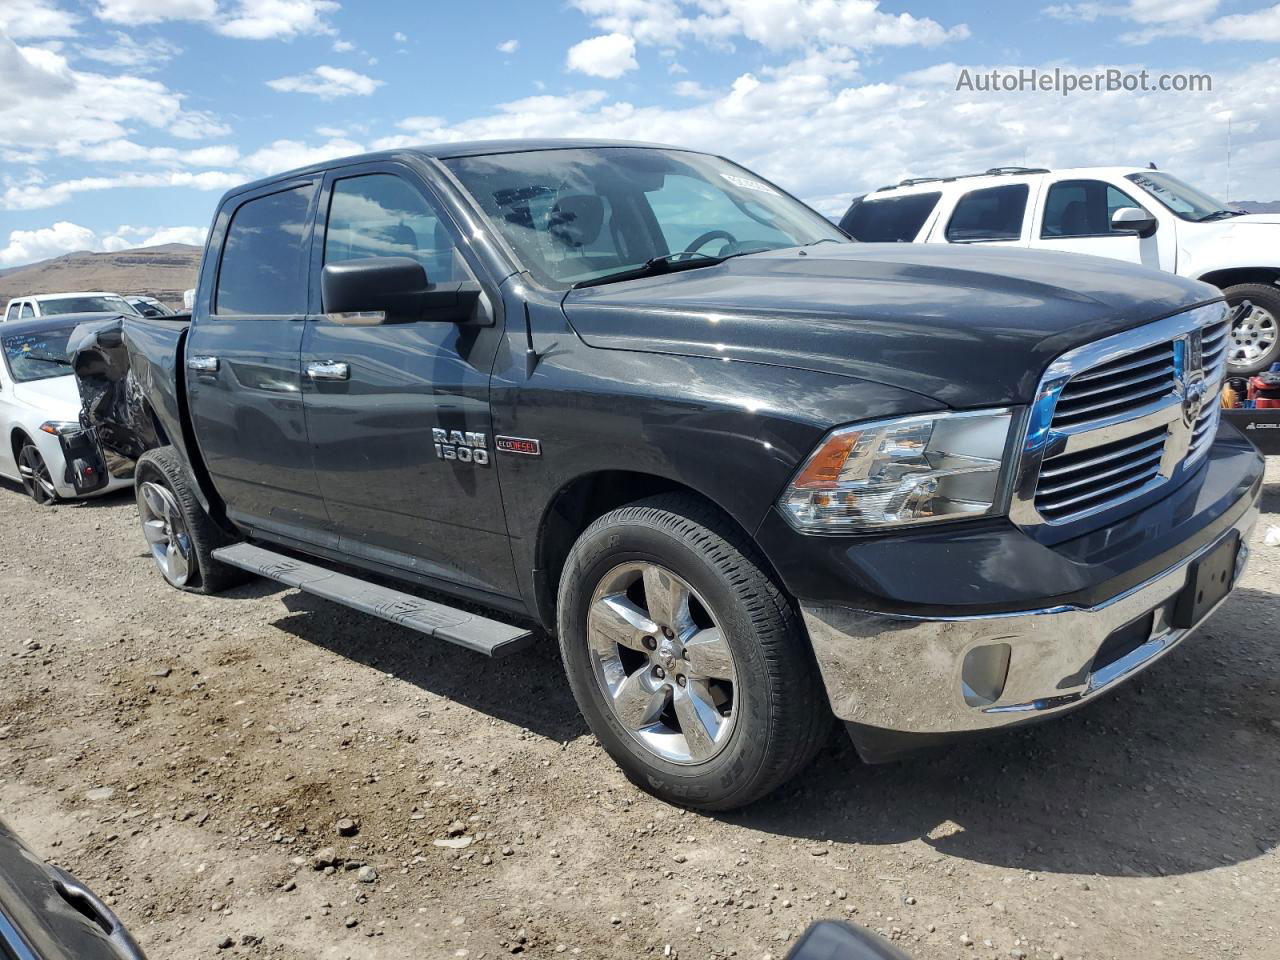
{"x":1126,"y":213}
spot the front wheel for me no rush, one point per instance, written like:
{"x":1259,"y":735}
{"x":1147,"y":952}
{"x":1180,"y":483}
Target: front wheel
{"x":36,"y":479}
{"x":1255,"y":337}
{"x":178,"y":531}
{"x":686,"y":659}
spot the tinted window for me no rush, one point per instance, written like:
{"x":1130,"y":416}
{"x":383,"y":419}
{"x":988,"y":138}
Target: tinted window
{"x":1082,"y":208}
{"x":890,"y":220}
{"x":27,"y":311}
{"x":383,"y":216}
{"x":992,"y":214}
{"x":13,"y":312}
{"x":37,"y":355}
{"x":264,"y":264}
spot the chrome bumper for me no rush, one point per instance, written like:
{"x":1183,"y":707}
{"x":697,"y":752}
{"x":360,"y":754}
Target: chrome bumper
{"x":917,"y":675}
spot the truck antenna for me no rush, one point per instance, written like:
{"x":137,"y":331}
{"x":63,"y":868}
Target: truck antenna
{"x":530,"y":354}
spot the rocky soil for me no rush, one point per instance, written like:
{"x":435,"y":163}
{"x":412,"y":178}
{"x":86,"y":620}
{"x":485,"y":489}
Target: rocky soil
{"x":266,"y":775}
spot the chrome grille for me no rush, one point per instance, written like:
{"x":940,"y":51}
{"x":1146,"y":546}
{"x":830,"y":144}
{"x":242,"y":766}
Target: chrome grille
{"x":1122,"y":416}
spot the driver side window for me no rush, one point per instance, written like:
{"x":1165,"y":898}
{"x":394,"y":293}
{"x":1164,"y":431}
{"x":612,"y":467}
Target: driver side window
{"x":688,"y":209}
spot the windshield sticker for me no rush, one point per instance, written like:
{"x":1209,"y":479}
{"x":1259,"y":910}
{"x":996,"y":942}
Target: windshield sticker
{"x":746,"y":184}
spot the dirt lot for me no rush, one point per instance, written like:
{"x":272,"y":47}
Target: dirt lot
{"x":189,"y":757}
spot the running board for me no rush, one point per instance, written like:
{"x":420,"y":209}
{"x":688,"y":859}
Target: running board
{"x":468,"y":630}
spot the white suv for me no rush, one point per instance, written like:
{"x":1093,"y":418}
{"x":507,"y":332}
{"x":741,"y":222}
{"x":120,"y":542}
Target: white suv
{"x":1125,"y":213}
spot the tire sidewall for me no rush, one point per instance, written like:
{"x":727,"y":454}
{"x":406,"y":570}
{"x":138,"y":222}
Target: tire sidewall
{"x":155,"y":470}
{"x":735,"y":767}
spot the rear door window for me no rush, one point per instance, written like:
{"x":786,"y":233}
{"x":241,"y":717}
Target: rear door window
{"x":13,"y":311}
{"x":264,"y":258}
{"x":993,"y":213}
{"x":889,"y":220}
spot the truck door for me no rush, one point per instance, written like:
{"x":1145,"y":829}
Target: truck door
{"x":1075,"y":217}
{"x":398,"y":413}
{"x":242,"y":358}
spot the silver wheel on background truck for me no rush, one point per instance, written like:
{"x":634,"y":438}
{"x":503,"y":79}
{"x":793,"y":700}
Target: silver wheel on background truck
{"x":686,"y":658}
{"x":1255,"y":337}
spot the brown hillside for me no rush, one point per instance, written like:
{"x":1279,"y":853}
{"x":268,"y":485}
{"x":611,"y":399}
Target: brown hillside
{"x":162,"y":272}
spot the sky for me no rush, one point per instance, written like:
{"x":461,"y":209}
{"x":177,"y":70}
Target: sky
{"x":125,"y":120}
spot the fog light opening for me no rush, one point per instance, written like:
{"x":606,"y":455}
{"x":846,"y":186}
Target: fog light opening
{"x":984,"y":673}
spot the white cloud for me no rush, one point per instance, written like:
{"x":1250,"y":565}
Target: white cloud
{"x":133,"y":12}
{"x":609,"y":56}
{"x":1261,"y":25}
{"x":1159,"y":19}
{"x":287,"y":154}
{"x":32,"y":19}
{"x":399,"y":37}
{"x":693,"y":89}
{"x":35,"y":196}
{"x":198,"y":125}
{"x":343,"y":46}
{"x":266,"y":19}
{"x":125,"y":51}
{"x":509,"y":46}
{"x":28,"y":246}
{"x":327,"y":83}
{"x":774,"y":24}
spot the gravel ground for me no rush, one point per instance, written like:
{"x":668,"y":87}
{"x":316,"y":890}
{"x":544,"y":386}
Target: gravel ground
{"x":266,"y":774}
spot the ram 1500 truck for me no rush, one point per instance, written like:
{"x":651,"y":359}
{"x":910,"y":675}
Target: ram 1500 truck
{"x":751,"y":474}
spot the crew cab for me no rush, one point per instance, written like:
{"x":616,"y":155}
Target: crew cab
{"x":1136,"y":214}
{"x":751,"y":474}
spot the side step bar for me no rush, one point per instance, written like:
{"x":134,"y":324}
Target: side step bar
{"x":468,"y":630}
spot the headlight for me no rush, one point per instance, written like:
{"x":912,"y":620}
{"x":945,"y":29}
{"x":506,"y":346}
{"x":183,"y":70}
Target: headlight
{"x":59,"y":427}
{"x":937,"y":466}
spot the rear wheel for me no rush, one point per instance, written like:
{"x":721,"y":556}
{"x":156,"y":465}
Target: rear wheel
{"x":36,"y":479}
{"x":686,"y":659}
{"x":1255,"y":337}
{"x":178,"y":531}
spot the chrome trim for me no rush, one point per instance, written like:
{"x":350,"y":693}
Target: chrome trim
{"x":12,"y":938}
{"x":203,"y":364}
{"x":329,"y":370}
{"x":1187,"y":411}
{"x":907,"y":674}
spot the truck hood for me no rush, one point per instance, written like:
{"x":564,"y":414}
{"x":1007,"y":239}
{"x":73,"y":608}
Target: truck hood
{"x":967,"y":326}
{"x":55,"y":397}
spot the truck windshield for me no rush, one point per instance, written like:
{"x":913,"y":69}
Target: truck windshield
{"x":577,"y":216}
{"x":1183,"y":199}
{"x":58,"y":306}
{"x":37,"y":354}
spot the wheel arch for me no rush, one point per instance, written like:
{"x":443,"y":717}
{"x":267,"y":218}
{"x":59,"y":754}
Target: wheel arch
{"x":1231,"y":276}
{"x":581,"y":501}
{"x":16,"y":438}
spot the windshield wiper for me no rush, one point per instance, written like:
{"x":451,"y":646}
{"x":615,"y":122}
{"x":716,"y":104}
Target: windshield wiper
{"x":1220,"y":215}
{"x":668,"y":263}
{"x":58,"y":360}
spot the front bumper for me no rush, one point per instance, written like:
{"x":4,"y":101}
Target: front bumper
{"x":901,"y":680}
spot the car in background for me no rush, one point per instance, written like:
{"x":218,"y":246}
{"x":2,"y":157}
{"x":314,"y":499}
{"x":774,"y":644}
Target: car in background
{"x":149,"y":306}
{"x":59,"y":304}
{"x":46,"y":914}
{"x":1137,"y":214}
{"x":40,"y":432}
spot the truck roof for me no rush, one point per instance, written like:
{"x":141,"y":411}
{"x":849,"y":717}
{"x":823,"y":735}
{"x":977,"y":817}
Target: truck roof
{"x":448,"y":151}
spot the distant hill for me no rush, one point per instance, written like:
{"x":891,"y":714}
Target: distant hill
{"x":163,"y":272}
{"x":1258,"y":206}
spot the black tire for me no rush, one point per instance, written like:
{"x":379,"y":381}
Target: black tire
{"x":163,"y":467}
{"x":39,"y":485}
{"x":1264,"y":297}
{"x":782,"y":716}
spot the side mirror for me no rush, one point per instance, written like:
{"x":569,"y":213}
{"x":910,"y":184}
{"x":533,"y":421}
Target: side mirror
{"x":1134,"y":220}
{"x":378,"y":290}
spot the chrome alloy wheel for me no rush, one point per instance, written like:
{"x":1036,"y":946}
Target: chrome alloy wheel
{"x":166,"y":532}
{"x":1253,"y":335}
{"x":662,"y":662}
{"x":36,"y":479}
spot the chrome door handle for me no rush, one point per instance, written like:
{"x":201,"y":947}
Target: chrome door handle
{"x":329,"y":370}
{"x":203,"y":364}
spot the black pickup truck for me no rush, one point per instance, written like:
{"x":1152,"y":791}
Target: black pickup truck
{"x":750,"y":473}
